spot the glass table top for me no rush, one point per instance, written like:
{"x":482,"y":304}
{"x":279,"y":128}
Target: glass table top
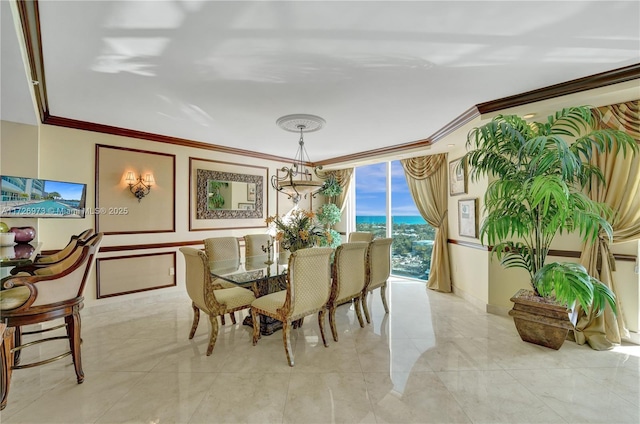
{"x":254,"y":268}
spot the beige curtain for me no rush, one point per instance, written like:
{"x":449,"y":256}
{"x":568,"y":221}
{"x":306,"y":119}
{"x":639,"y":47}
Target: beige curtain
{"x":427,"y":181}
{"x":622,"y":194}
{"x":343,"y":177}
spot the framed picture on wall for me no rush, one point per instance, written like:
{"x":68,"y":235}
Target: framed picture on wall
{"x":468,"y":218}
{"x":457,"y":177}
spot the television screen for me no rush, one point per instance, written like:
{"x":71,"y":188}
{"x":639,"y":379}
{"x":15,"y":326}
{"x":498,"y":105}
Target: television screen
{"x":36,"y":198}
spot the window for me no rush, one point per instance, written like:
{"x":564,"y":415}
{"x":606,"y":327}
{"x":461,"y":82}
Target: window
{"x":384,"y":184}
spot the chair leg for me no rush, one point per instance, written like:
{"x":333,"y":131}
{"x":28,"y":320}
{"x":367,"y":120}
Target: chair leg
{"x":321,"y":314}
{"x":196,"y":320}
{"x":383,"y":289}
{"x":233,"y":317}
{"x":332,"y":322}
{"x":222,"y":319}
{"x":17,"y":341}
{"x":73,"y":332}
{"x":286,"y":336}
{"x":6,"y":359}
{"x":255,"y":318}
{"x":214,"y":333}
{"x":365,"y":308}
{"x":358,"y":313}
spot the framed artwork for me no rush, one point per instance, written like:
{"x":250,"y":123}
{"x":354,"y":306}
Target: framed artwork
{"x":246,"y":206}
{"x":457,"y":177}
{"x":468,"y":217}
{"x":251,"y":192}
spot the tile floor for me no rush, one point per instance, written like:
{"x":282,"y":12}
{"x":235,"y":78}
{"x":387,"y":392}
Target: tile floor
{"x":434,"y":359}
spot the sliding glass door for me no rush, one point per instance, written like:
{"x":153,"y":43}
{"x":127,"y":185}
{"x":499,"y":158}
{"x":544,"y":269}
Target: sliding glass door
{"x":384,"y":206}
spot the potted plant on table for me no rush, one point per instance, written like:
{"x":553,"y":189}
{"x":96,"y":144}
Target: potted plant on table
{"x":540,"y":171}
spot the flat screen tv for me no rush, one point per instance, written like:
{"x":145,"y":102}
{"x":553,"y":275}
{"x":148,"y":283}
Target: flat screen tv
{"x":36,"y":198}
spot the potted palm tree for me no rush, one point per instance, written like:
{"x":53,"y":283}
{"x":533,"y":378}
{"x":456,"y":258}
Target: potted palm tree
{"x":539,"y":176}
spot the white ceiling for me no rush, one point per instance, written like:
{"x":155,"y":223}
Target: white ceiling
{"x":380,"y":73}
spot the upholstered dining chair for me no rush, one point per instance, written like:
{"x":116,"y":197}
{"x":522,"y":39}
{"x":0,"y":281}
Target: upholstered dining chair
{"x":36,"y":299}
{"x":378,"y":271}
{"x":64,"y":252}
{"x":360,"y":236}
{"x":254,"y":256}
{"x":225,"y":249}
{"x":349,"y":279}
{"x":204,"y":296}
{"x":308,"y":289}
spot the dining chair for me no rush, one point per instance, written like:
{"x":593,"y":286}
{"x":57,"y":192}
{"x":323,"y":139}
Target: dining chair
{"x":360,"y":236}
{"x":254,"y":256}
{"x":349,"y":279}
{"x":307,"y":292}
{"x":204,"y":296}
{"x":64,"y":252}
{"x":37,"y":299}
{"x":378,"y":271}
{"x":223,"y":249}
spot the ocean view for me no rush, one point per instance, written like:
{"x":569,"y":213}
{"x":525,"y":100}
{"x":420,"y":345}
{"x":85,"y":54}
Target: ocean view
{"x":397,"y":219}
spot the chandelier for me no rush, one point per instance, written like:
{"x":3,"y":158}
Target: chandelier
{"x":297,"y":181}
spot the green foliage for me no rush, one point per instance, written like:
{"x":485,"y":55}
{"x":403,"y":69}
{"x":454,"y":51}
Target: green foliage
{"x":331,"y":187}
{"x":329,"y":214}
{"x":541,"y":172}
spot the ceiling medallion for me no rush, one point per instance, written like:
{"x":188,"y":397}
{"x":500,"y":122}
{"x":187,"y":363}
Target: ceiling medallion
{"x":297,"y":181}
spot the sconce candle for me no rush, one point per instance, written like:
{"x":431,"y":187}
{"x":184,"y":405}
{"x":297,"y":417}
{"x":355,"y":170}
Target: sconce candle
{"x":138,"y":186}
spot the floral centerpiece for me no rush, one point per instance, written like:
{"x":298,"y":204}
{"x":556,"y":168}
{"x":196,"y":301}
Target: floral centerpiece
{"x":296,"y":230}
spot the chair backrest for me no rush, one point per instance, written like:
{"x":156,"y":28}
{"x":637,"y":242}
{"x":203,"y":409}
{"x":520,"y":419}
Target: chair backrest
{"x":255,"y":257}
{"x":378,"y":262}
{"x":222,"y":248}
{"x":308,"y":281}
{"x":198,"y":278}
{"x":64,"y":252}
{"x":69,"y":282}
{"x":360,"y":236}
{"x":350,"y":270}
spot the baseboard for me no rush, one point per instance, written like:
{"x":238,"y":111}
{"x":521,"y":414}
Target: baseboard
{"x":498,"y":310}
{"x":469,"y":298}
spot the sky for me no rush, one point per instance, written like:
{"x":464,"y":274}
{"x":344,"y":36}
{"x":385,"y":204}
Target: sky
{"x":68,"y":191}
{"x":371,"y":191}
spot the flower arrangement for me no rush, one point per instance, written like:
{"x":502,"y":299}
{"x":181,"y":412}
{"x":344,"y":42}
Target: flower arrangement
{"x":296,"y":230}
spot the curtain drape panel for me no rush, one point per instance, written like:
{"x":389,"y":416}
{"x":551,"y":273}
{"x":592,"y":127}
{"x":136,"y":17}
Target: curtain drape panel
{"x":622,"y":194}
{"x":427,"y":180}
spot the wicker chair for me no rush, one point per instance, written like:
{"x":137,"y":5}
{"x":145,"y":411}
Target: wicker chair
{"x":204,"y":296}
{"x":308,"y":289}
{"x":360,"y":236}
{"x":35,"y":299}
{"x":378,"y":271}
{"x":224,"y":250}
{"x":349,"y":278}
{"x":254,"y":256}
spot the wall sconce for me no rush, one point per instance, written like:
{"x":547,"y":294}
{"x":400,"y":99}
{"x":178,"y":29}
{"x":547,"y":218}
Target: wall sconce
{"x":138,"y":186}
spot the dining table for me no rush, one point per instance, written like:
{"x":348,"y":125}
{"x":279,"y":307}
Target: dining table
{"x":263,"y":274}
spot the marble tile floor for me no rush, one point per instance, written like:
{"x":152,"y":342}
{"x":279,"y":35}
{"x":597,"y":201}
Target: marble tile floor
{"x":434,"y":359}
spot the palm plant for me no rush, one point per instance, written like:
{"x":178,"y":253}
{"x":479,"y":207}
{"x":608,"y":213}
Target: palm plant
{"x":541,"y":173}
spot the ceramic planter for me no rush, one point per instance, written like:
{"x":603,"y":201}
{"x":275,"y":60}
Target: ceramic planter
{"x":540,"y":320}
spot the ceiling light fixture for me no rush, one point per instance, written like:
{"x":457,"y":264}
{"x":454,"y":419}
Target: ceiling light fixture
{"x":297,"y":181}
{"x":529,"y":115}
